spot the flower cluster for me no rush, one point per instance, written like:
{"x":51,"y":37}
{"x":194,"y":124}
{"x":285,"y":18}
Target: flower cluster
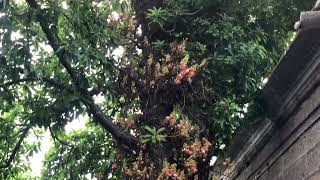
{"x":197,"y":148}
{"x":139,"y":169}
{"x":126,"y":122}
{"x":170,"y":120}
{"x":183,"y":127}
{"x":191,"y":165}
{"x":193,"y":148}
{"x":184,"y":72}
{"x":169,"y":171}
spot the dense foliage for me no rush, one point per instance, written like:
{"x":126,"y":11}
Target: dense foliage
{"x":165,"y":83}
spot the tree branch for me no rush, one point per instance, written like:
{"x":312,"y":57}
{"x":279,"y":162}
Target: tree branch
{"x":53,"y":40}
{"x":106,"y":122}
{"x":55,"y":137}
{"x":63,"y":56}
{"x":16,"y":82}
{"x":53,"y":82}
{"x":16,"y":148}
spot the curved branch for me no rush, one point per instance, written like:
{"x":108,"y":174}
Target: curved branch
{"x":63,"y":56}
{"x":16,"y":148}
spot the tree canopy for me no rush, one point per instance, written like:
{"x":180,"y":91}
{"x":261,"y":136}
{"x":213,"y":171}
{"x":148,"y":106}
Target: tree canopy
{"x":165,"y":84}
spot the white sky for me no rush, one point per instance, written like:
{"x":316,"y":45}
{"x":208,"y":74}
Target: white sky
{"x":46,"y":143}
{"x":37,"y":158}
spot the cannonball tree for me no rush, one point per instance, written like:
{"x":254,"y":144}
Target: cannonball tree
{"x":164,"y":84}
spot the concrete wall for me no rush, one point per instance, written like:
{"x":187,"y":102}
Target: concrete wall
{"x":286,"y":146}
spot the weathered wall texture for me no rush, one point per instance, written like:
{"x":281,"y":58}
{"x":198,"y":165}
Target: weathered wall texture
{"x":293,"y":151}
{"x":287,"y":147}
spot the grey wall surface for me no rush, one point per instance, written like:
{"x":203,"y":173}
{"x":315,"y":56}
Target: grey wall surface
{"x":286,"y":146}
{"x":293,"y":151}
